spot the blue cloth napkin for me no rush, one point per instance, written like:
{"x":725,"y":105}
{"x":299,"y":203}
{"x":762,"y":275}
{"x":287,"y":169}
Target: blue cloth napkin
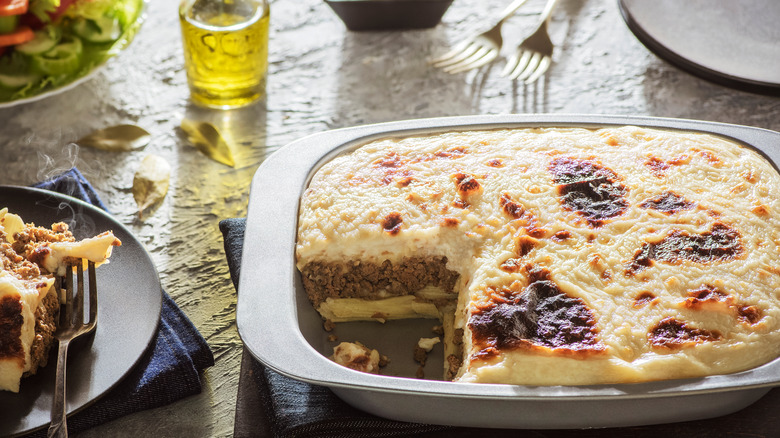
{"x":170,"y":368}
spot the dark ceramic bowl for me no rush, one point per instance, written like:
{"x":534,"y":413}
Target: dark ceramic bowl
{"x":389,"y":14}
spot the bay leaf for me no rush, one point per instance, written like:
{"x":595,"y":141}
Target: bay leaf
{"x":119,"y":138}
{"x":150,"y":183}
{"x":207,"y":138}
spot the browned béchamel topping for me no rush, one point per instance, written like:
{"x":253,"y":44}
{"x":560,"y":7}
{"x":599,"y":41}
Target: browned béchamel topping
{"x":589,"y":189}
{"x":667,"y":202}
{"x":673,"y":334}
{"x":659,"y":249}
{"x":537,"y":316}
{"x":720,"y":243}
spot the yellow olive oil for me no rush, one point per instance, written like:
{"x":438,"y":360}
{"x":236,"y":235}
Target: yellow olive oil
{"x":225,"y":50}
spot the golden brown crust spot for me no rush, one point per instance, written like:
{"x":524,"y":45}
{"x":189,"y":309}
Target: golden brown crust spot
{"x":672,"y":334}
{"x":466,"y":185}
{"x":749,"y":314}
{"x":510,"y":207}
{"x":589,"y":189}
{"x":561,"y":235}
{"x":524,"y":244}
{"x":711,"y":158}
{"x":450,"y":222}
{"x":708,"y":297}
{"x":392,"y":223}
{"x":657,"y":166}
{"x":750,"y":177}
{"x":720,"y":243}
{"x":705,"y":295}
{"x":645,"y":299}
{"x":540,"y":316}
{"x":668,"y":203}
{"x":761,"y":210}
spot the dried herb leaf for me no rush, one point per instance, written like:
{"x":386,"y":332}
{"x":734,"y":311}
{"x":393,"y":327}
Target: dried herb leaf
{"x":209,"y":141}
{"x":150,"y":183}
{"x":120,"y":138}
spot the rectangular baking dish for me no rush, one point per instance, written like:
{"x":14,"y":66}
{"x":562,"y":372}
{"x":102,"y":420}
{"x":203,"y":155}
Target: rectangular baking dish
{"x":281,"y":329}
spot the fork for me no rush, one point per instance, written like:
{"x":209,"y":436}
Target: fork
{"x":71,"y":326}
{"x":534,"y":55}
{"x":478,"y":50}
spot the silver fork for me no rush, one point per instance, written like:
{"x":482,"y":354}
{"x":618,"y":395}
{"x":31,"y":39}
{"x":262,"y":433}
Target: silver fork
{"x":534,"y":54}
{"x":71,"y":326}
{"x":478,"y":50}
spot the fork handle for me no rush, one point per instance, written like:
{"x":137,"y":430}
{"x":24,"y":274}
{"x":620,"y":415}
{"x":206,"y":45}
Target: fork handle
{"x":59,"y":421}
{"x":509,"y":10}
{"x":547,"y":12}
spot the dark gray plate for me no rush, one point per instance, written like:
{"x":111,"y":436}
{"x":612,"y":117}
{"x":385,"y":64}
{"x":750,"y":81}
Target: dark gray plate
{"x":729,"y":42}
{"x":281,"y":329}
{"x":130,"y":299}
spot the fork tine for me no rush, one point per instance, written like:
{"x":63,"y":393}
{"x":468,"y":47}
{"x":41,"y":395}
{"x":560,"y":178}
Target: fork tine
{"x":521,"y":65}
{"x":511,"y":63}
{"x":532,"y":65}
{"x":65,"y":318}
{"x":543,"y":66}
{"x":93,"y":298}
{"x":461,"y":46}
{"x":78,"y":309}
{"x":467,"y":52}
{"x":472,"y":61}
{"x":488,"y":58}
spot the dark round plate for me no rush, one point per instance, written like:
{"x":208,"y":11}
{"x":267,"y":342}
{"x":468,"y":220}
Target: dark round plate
{"x":130,"y":299}
{"x":728,"y":42}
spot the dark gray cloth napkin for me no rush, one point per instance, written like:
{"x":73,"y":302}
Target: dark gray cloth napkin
{"x":168,"y":371}
{"x":272,"y":405}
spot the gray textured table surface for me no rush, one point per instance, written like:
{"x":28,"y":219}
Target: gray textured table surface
{"x":321,"y":77}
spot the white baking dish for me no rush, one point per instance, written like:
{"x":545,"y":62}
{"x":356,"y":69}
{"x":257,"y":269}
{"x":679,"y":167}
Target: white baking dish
{"x":281,"y":329}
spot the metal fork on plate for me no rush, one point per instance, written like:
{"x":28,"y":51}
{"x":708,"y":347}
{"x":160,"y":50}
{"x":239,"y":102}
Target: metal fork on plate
{"x":478,"y":50}
{"x":534,"y":54}
{"x":71,"y":326}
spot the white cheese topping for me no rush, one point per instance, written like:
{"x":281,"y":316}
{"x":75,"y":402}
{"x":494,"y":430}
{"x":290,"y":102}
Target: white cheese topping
{"x":665,"y":298}
{"x":96,"y":249}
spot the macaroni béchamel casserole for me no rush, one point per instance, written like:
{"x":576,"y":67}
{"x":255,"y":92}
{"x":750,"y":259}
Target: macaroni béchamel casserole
{"x":31,"y":256}
{"x":555,"y":256}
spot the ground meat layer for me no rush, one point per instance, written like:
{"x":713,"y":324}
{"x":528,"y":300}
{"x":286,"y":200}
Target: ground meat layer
{"x":371,"y":281}
{"x":45,"y":325}
{"x":11,"y":321}
{"x":22,"y":260}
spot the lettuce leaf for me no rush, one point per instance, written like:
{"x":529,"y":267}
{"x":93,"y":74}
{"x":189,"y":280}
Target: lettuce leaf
{"x":94,"y":9}
{"x":42,"y":8}
{"x":127,"y":12}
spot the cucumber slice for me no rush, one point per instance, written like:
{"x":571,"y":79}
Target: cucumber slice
{"x":64,"y":58}
{"x":8,"y":23}
{"x":17,"y":81}
{"x":100,"y":30}
{"x":43,"y":41}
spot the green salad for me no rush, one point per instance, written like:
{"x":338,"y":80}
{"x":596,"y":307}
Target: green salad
{"x":45,"y":44}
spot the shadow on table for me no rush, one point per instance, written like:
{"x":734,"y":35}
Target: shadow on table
{"x":534,"y":98}
{"x":385,"y":76}
{"x":667,"y":87}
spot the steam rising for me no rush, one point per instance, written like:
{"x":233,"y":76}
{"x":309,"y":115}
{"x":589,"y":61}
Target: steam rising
{"x":70,"y":213}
